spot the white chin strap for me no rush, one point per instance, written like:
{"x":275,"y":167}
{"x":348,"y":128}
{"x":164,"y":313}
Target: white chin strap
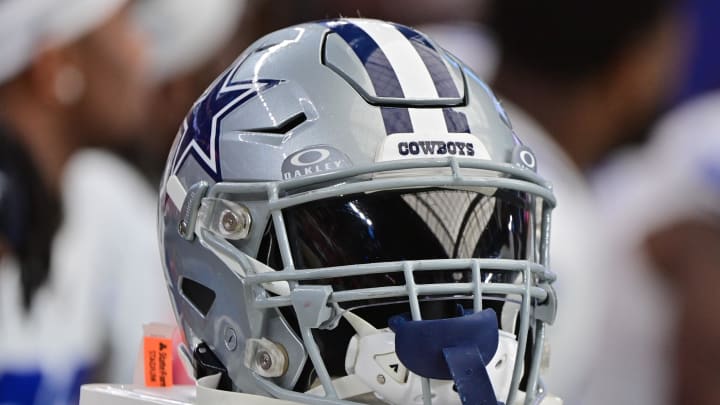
{"x":373,"y":367}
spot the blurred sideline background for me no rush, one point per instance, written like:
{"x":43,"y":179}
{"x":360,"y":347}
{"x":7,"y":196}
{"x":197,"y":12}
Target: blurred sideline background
{"x":619,"y":101}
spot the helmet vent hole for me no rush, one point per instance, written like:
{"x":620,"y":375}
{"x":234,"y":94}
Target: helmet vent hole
{"x":200,"y":296}
{"x":285,"y":126}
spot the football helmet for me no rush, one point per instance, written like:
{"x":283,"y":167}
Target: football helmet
{"x":347,"y":217}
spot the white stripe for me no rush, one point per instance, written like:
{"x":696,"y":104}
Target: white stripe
{"x":414,"y":77}
{"x":175,"y":191}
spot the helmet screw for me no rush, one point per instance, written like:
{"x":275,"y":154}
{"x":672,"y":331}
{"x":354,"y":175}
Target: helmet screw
{"x":183,"y":228}
{"x":380,"y":379}
{"x":264,"y":360}
{"x":230,"y":339}
{"x":230,"y":221}
{"x":234,"y":221}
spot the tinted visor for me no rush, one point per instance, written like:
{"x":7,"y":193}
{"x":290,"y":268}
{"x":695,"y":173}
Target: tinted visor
{"x":405,"y":225}
{"x":401,"y":225}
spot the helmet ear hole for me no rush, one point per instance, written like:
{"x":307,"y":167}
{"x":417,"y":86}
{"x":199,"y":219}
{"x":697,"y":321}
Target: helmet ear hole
{"x":200,"y":296}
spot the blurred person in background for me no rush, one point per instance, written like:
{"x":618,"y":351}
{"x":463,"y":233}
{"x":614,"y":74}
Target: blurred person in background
{"x":71,"y":76}
{"x":183,"y":43}
{"x":679,"y":237}
{"x":670,"y":218}
{"x":578,"y":80}
{"x":189,"y":43}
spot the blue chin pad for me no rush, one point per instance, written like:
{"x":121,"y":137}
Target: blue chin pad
{"x":420,"y":344}
{"x":455,"y":349}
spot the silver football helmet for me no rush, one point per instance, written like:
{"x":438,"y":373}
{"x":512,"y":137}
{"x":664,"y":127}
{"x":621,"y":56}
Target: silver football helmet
{"x":348,"y":217}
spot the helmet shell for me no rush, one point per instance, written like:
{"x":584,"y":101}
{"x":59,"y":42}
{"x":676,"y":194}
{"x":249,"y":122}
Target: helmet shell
{"x":305,"y":101}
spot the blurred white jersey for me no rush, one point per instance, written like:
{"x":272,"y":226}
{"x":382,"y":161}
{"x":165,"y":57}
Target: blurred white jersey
{"x":675,"y":176}
{"x":105,"y":282}
{"x":677,"y":173}
{"x":580,"y":255}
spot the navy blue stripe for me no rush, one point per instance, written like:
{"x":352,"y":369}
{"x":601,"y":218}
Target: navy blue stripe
{"x":382,"y":75}
{"x":456,"y":121}
{"x":397,"y":120}
{"x":413,"y":35}
{"x":438,"y":69}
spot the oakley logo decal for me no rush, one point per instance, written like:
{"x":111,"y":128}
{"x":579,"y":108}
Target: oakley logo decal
{"x":314,"y":160}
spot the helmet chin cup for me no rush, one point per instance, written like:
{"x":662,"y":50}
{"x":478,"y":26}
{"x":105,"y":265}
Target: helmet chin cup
{"x":373,"y":366}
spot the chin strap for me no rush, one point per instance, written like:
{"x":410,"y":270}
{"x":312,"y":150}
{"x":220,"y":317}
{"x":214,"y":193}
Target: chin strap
{"x":457,"y":349}
{"x":472,"y":381}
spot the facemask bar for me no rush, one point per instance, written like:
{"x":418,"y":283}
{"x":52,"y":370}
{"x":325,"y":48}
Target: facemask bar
{"x":301,"y":190}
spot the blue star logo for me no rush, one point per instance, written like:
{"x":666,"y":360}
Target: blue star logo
{"x":200,"y":131}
